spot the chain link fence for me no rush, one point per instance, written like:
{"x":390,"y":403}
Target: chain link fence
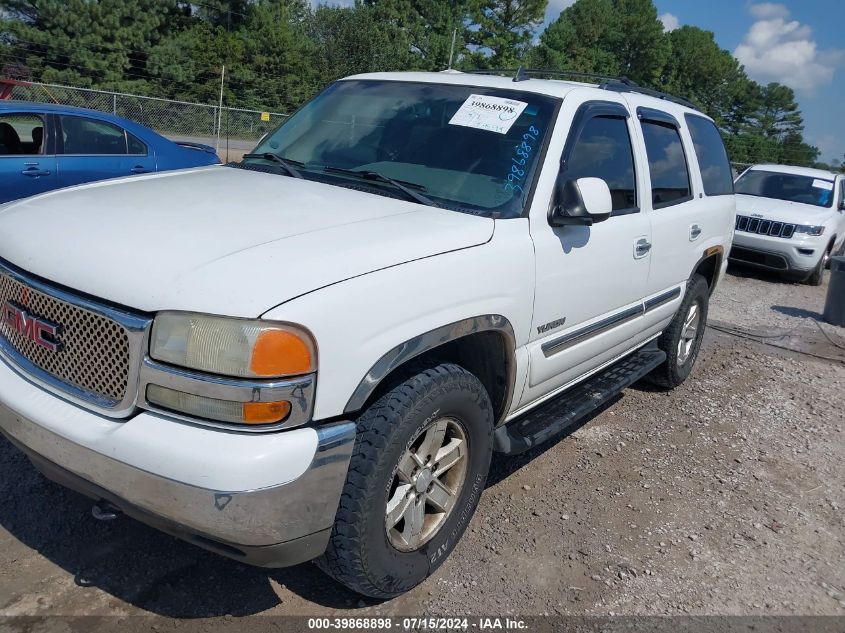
{"x":179,"y":120}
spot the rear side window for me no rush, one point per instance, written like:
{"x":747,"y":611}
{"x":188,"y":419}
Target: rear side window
{"x":603,"y":150}
{"x":712,"y":156}
{"x":667,"y":163}
{"x":136,"y":145}
{"x":89,"y":136}
{"x":21,"y":134}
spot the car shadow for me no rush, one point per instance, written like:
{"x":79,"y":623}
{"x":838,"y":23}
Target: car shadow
{"x":798,"y":312}
{"x":135,"y":563}
{"x":736,"y":269}
{"x":158,"y":573}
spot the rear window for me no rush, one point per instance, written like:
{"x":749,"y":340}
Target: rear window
{"x":667,"y":164}
{"x":712,"y":156}
{"x":81,"y":135}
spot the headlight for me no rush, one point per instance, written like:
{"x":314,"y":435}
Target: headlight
{"x":809,"y":230}
{"x":240,"y":348}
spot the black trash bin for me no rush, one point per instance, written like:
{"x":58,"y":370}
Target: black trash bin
{"x":834,"y":307}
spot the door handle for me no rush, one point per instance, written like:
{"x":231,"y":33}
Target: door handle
{"x":35,"y":172}
{"x":139,"y":169}
{"x":641,"y":248}
{"x":694,"y":232}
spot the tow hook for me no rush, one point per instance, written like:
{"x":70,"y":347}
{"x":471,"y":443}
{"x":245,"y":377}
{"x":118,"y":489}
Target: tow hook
{"x":104,"y":511}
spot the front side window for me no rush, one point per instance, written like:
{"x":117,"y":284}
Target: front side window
{"x":789,"y":187}
{"x":90,"y":136}
{"x":667,"y":163}
{"x":712,"y":156}
{"x":603,"y":150}
{"x":466,"y":148}
{"x":21,"y":134}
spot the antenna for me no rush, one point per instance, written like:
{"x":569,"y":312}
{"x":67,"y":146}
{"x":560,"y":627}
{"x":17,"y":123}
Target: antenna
{"x":452,"y":49}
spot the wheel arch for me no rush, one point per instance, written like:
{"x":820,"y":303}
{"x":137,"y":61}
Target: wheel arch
{"x":484,"y":345}
{"x":709,"y":266}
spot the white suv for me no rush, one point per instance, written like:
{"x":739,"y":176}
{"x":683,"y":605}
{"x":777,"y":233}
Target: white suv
{"x":789,"y":219}
{"x":315,"y":352}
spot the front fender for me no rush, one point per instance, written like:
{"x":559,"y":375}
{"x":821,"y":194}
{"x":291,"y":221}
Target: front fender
{"x":362,"y":326}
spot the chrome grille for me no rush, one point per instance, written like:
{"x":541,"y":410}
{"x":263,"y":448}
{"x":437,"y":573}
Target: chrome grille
{"x":95,"y":354}
{"x":764,"y":227}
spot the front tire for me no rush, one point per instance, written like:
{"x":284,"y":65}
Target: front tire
{"x":816,"y":277}
{"x":419,"y":466}
{"x":682,"y":339}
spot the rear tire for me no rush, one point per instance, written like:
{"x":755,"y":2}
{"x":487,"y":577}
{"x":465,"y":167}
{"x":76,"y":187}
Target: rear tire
{"x":432,"y":420}
{"x":682,"y":339}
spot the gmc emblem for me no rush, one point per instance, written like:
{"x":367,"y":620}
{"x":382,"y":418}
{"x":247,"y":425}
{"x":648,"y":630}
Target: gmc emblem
{"x":39,"y":331}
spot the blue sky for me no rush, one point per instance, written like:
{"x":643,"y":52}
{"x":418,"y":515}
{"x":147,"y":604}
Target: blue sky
{"x":798,"y":43}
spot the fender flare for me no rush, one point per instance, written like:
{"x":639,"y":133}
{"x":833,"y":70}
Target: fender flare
{"x":422,"y":343}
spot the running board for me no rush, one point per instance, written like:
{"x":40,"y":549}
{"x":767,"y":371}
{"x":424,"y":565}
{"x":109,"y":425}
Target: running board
{"x":559,"y":413}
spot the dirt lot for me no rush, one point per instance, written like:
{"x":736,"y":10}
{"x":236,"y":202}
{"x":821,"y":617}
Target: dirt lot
{"x":722,"y":497}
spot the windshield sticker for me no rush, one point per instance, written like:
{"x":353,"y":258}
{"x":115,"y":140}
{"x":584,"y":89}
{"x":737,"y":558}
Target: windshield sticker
{"x":494,"y":114}
{"x":522,"y":152}
{"x":823,"y":184}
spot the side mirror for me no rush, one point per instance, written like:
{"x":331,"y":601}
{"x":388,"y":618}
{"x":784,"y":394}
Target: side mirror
{"x":842,"y":206}
{"x":581,"y":202}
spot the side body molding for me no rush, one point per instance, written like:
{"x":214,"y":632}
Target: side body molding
{"x":428,"y":341}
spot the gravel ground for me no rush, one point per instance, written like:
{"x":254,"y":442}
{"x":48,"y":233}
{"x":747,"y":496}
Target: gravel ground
{"x":724,"y":496}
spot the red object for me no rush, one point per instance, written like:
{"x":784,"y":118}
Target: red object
{"x":7,"y":85}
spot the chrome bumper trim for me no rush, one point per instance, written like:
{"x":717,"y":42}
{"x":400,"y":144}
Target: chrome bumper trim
{"x":298,"y":391}
{"x":251,"y":518}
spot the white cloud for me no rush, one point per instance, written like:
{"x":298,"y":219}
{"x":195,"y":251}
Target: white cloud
{"x":670,"y":22}
{"x":769,"y":11}
{"x":777,"y":48}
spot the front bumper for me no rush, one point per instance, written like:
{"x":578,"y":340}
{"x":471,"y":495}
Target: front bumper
{"x":777,"y":253}
{"x":267,"y":499}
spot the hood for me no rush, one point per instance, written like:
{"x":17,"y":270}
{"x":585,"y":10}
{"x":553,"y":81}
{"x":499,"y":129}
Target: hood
{"x":220,"y":240}
{"x":782,"y":210}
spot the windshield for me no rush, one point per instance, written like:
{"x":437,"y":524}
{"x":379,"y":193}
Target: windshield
{"x":471,"y":149}
{"x":790,"y":187}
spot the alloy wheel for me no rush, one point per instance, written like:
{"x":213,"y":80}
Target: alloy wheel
{"x":426,"y":484}
{"x":689,"y":333}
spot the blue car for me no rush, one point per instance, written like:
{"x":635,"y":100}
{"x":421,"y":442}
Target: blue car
{"x":45,"y":147}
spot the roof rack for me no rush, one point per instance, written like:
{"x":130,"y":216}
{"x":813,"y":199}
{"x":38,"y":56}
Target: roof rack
{"x":616,"y":84}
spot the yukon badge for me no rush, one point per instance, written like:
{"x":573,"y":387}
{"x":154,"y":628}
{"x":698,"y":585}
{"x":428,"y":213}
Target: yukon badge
{"x":40,"y":331}
{"x":548,"y":327}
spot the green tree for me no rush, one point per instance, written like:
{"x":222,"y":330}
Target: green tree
{"x":701,"y":71}
{"x":579,"y":40}
{"x":428,"y":26}
{"x":348,"y":41}
{"x":608,"y":37}
{"x":103,"y":43}
{"x":501,"y":31}
{"x":779,"y":116}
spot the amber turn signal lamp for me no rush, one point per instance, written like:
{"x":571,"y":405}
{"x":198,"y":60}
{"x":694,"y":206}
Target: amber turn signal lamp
{"x":265,"y":412}
{"x":281,"y":353}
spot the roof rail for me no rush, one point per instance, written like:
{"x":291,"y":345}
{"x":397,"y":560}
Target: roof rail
{"x":619,"y":86}
{"x":616,"y":84}
{"x":523,"y":74}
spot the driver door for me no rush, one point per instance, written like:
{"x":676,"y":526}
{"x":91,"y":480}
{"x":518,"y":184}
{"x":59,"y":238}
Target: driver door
{"x":591,"y":280}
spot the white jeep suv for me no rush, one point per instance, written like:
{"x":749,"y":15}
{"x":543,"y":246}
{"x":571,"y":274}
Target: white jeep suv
{"x":789,"y":219}
{"x":314,"y":353}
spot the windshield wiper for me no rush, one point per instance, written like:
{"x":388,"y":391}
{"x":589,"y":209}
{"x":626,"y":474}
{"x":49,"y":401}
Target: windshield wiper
{"x":286,"y":164}
{"x":400,"y":185}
